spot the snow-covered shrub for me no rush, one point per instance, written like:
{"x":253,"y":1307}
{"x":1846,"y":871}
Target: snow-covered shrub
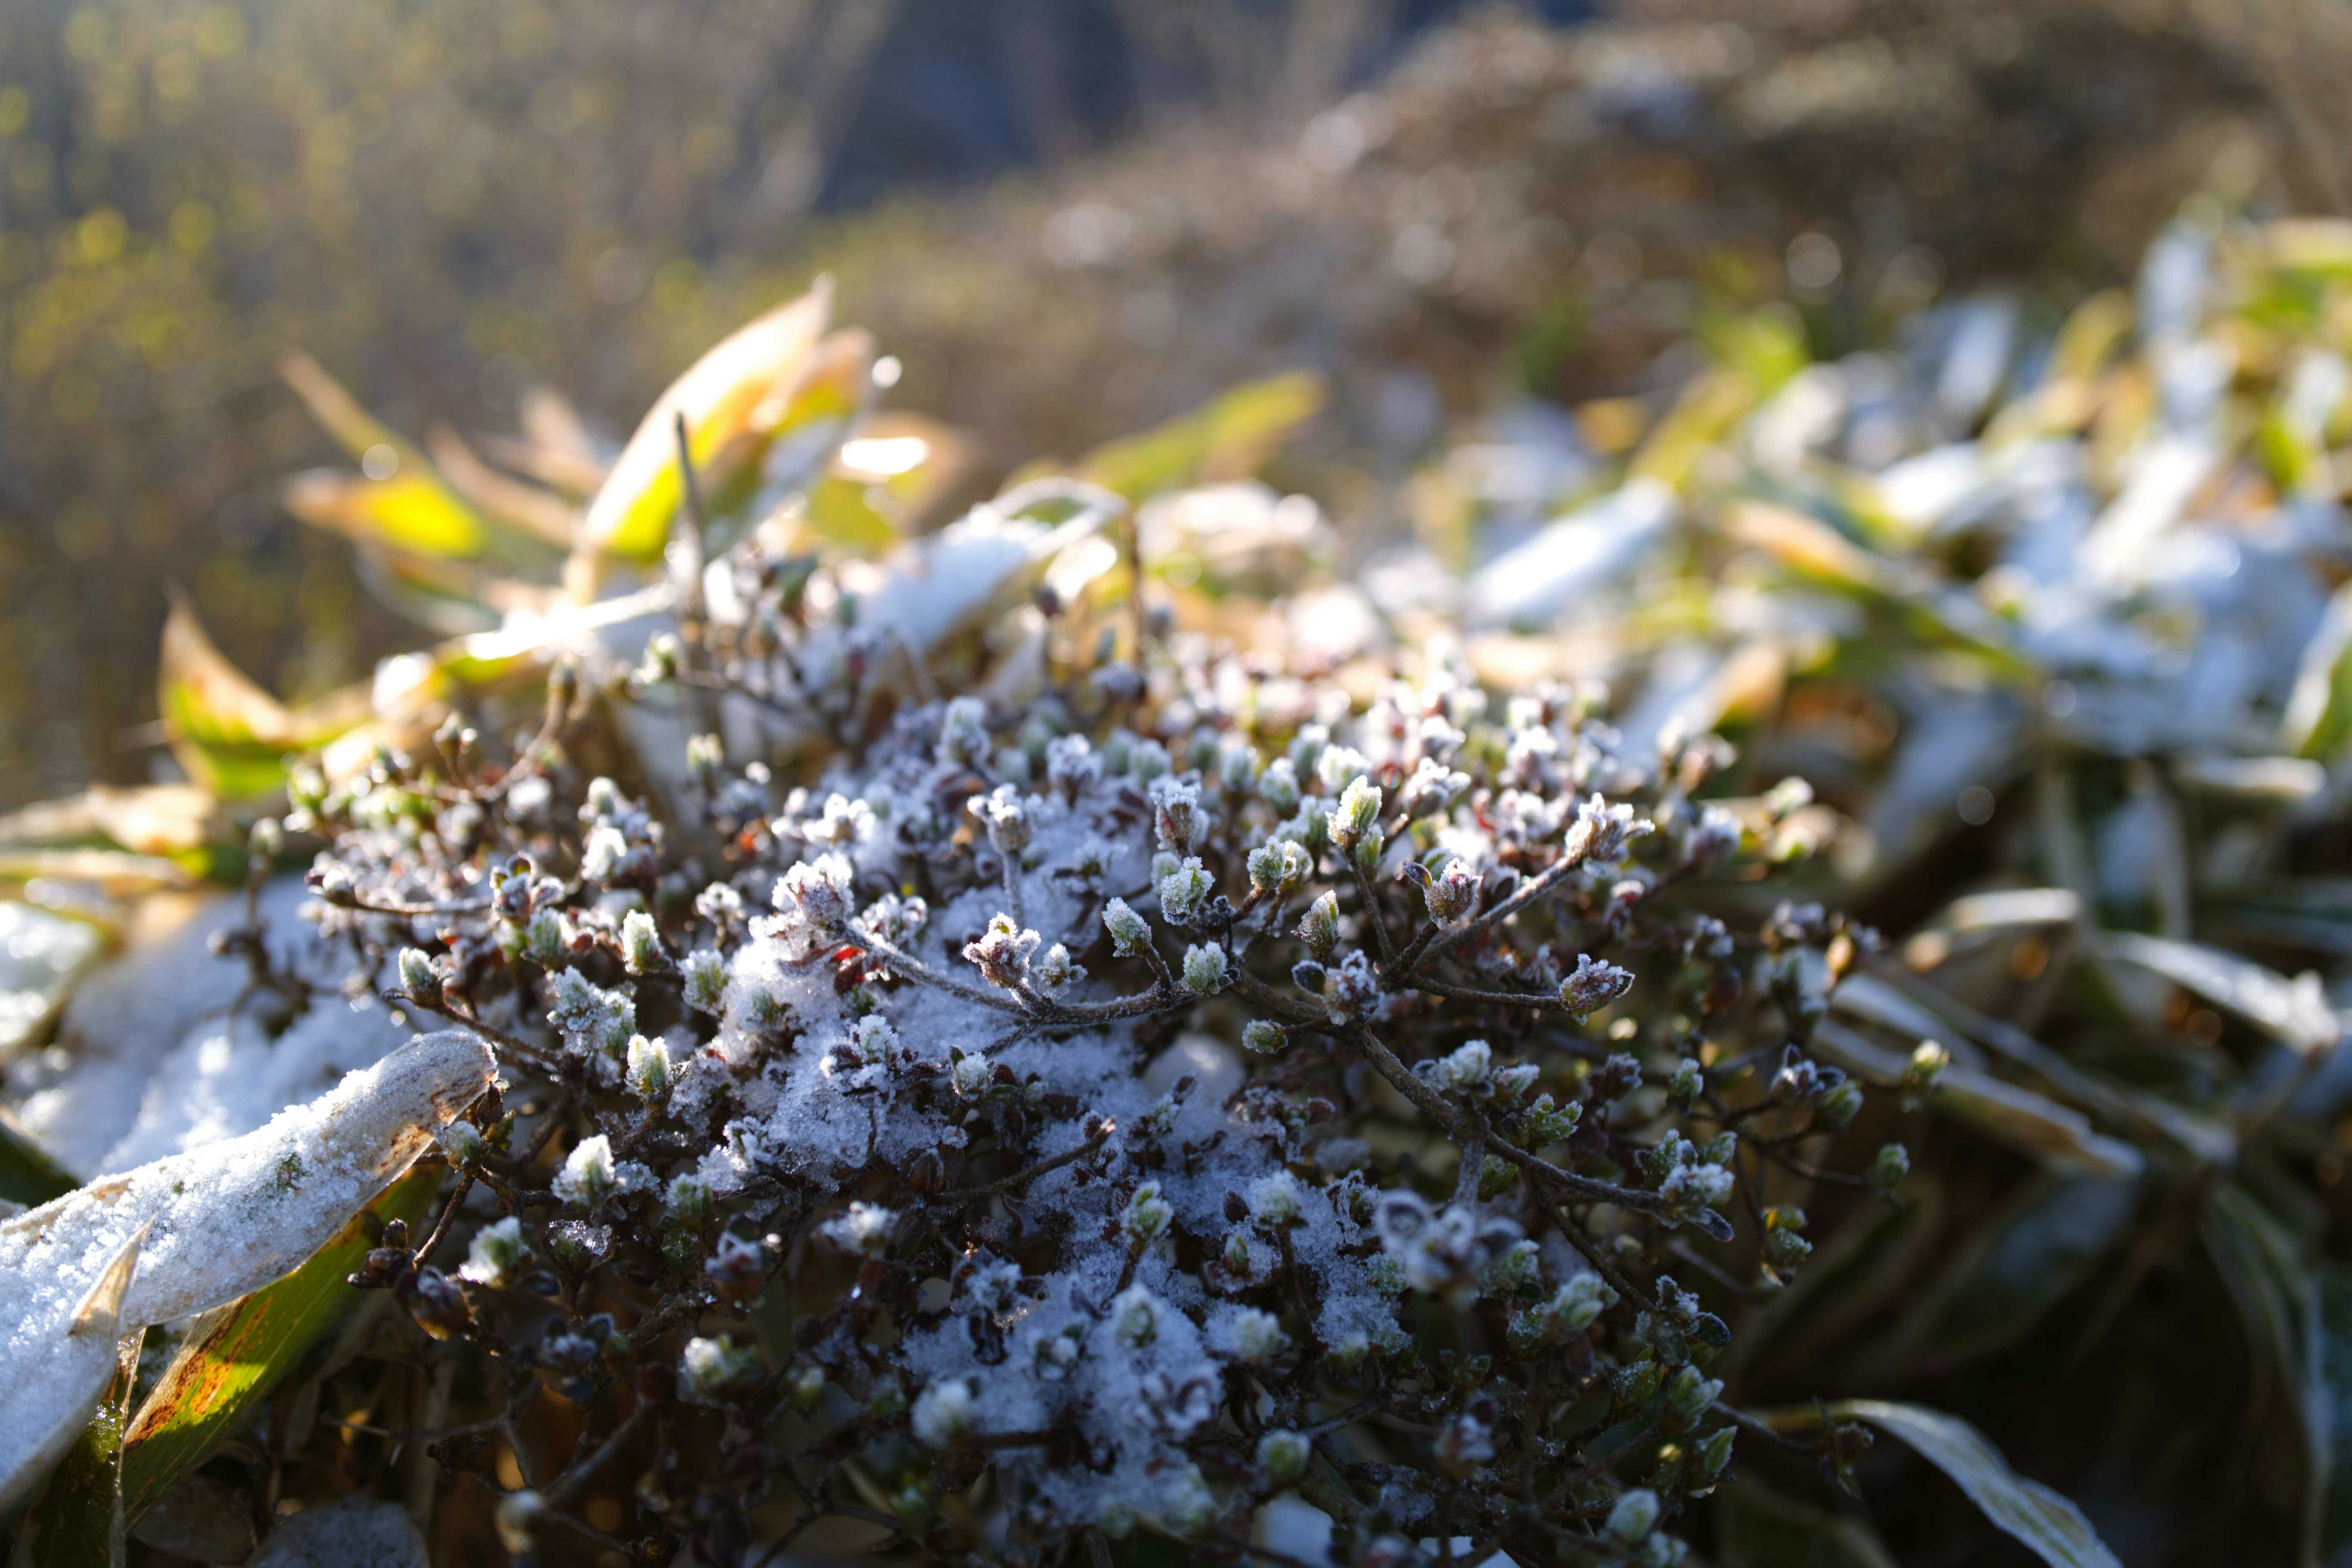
{"x":1165,"y":1081}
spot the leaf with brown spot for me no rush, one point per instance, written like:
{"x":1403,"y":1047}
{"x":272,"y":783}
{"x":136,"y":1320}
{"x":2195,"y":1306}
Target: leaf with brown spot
{"x":235,"y":1356}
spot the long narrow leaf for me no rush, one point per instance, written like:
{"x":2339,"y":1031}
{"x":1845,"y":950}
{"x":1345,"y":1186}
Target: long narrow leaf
{"x":234,"y":1357}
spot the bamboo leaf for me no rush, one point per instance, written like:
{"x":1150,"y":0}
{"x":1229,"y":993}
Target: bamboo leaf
{"x":1228,"y":437}
{"x":232,"y":736}
{"x":2295,"y":1012}
{"x":41,"y":956}
{"x":204,"y":1227}
{"x":408,"y":504}
{"x":233,"y":1358}
{"x":77,"y":1520}
{"x":2060,"y":1137}
{"x":2045,"y":1521}
{"x":736,"y":399}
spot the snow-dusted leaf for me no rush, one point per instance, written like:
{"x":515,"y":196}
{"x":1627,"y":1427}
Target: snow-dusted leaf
{"x":78,"y":1518}
{"x":57,"y":1378}
{"x":2049,"y":1525}
{"x":2296,"y":1011}
{"x":1573,"y":558}
{"x":41,"y":956}
{"x":216,"y":1222}
{"x":2058,"y":1136}
{"x":231,"y":1357}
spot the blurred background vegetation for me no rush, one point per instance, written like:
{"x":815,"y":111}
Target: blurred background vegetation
{"x":1069,"y":217}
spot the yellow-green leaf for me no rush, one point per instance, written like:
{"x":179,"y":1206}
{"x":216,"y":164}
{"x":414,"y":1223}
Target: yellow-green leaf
{"x":735,"y":400}
{"x":232,"y":736}
{"x":233,"y":1357}
{"x":1228,"y":437}
{"x":401,"y":500}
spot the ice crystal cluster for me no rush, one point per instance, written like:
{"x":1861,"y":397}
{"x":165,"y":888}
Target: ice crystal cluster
{"x":1187,"y":1082}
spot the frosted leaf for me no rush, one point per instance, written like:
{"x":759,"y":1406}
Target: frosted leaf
{"x":219,"y":1222}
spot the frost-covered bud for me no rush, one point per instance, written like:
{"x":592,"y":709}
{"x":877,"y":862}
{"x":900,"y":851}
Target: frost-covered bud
{"x":1147,"y":1216}
{"x":818,"y":891}
{"x":661,"y":658}
{"x":1278,"y":785}
{"x":1336,"y":765}
{"x":704,"y":755}
{"x":1578,"y":1304}
{"x":1887,"y":1172}
{"x":1146,"y":760}
{"x":1592,"y":986}
{"x":1251,"y":1336}
{"x":1431,"y":789}
{"x":862,"y":1228}
{"x":649,"y":1071}
{"x":1264,"y":1037}
{"x":1135,"y":1316}
{"x":1688,"y":1083}
{"x":1128,"y":934}
{"x":1184,"y":893}
{"x":963,"y":731}
{"x":1551,"y":1123}
{"x":1055,"y":971}
{"x":1512,"y":1271}
{"x":1689,"y":1393}
{"x":519,"y":1514}
{"x":1236,"y":766}
{"x":1282,"y":1456}
{"x":641,"y":944}
{"x":1351,"y":989}
{"x":1600,"y":831}
{"x":1837,"y":1105}
{"x":1634,"y":1515}
{"x":710,"y":1368}
{"x":706,"y":981}
{"x":688,"y":1199}
{"x":1465,"y":1071}
{"x":1783,"y":1249}
{"x":970,"y":1075}
{"x":1006,"y":818}
{"x":462,"y":1140}
{"x":1360,"y":804}
{"x":1274,"y":1200}
{"x":945,"y":1414}
{"x":587,"y":1177}
{"x":420,"y":977}
{"x":542,"y":940}
{"x":1204,"y":969}
{"x":1002,"y":953}
{"x":1185,"y":1506}
{"x":1177,"y":814}
{"x":1462,"y":1444}
{"x":499,"y":1254}
{"x":1714,"y":1451}
{"x":1240,"y":1258}
{"x":1453,"y":892}
{"x":1920,"y":1075}
{"x":602,"y":854}
{"x":1071,"y":765}
{"x":1279,"y":865}
{"x":1318,"y":928}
